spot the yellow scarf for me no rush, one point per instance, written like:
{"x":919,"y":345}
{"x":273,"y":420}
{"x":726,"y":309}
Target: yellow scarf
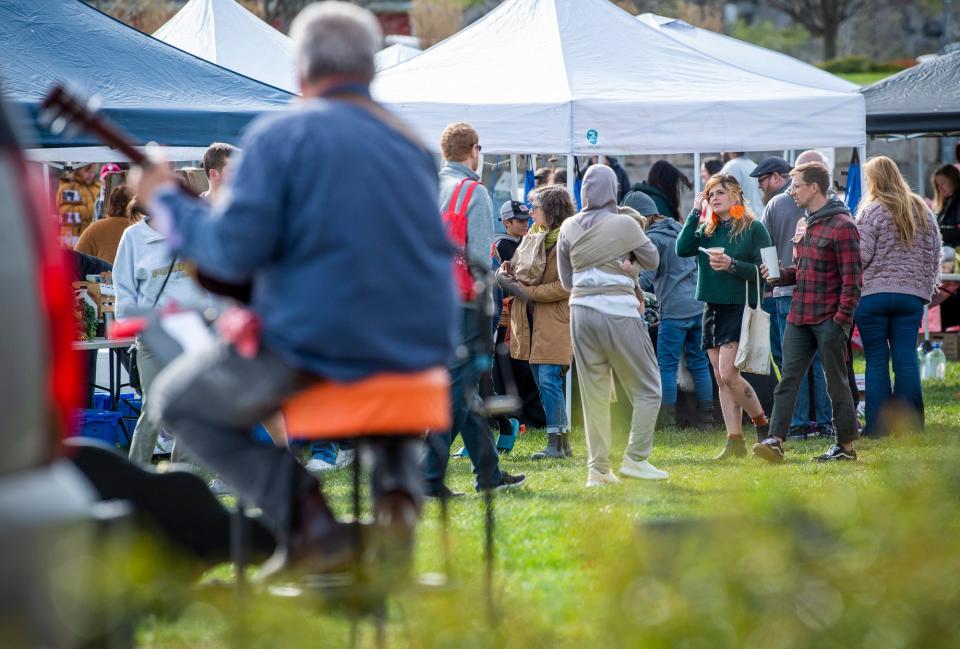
{"x":550,"y":240}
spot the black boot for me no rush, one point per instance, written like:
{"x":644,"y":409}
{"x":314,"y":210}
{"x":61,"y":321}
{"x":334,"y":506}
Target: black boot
{"x":735,"y":447}
{"x":567,"y":449}
{"x":704,"y":415}
{"x":553,"y":450}
{"x":668,"y":416}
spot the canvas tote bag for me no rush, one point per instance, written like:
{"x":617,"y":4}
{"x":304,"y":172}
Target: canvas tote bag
{"x":753,"y":355}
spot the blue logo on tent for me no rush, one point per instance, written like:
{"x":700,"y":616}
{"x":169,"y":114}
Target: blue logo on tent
{"x":592,"y":136}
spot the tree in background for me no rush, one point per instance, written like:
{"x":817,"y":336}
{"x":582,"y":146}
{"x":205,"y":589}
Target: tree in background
{"x":435,"y":20}
{"x":821,"y":18}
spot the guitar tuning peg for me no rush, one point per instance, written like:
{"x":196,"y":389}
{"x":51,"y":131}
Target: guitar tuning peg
{"x":47,"y":116}
{"x":95,"y":103}
{"x":71,"y":130}
{"x":58,"y":125}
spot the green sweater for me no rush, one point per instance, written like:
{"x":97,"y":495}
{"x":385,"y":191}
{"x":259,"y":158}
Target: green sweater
{"x":723,"y":287}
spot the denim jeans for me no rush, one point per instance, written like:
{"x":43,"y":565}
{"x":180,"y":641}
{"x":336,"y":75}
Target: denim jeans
{"x":779,"y":308}
{"x":676,"y":336}
{"x":549,"y":380}
{"x":466,"y":420}
{"x":888,"y":324}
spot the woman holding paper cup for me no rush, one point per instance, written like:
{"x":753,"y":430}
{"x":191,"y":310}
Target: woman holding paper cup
{"x":726,"y":238}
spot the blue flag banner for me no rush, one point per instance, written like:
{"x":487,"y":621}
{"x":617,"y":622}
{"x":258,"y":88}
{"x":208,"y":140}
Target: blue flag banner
{"x":854,"y":185}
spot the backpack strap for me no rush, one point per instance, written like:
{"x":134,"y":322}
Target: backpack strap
{"x":457,"y":216}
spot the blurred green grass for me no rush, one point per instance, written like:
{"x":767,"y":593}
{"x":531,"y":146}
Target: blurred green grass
{"x":720,"y":555}
{"x":864,"y":78}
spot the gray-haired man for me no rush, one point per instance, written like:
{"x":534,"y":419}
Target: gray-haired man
{"x":282,"y":227}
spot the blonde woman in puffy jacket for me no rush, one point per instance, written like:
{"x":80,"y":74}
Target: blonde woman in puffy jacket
{"x":900,"y":248}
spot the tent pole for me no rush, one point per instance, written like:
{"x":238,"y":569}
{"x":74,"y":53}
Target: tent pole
{"x":569,"y":387}
{"x":46,"y":186}
{"x":513,"y":178}
{"x":920,"y":169}
{"x":696,"y":173}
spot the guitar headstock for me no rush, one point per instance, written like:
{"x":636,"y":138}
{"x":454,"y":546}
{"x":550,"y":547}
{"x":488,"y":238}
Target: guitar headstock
{"x":61,"y":111}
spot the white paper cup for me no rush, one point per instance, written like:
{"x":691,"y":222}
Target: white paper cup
{"x":772,"y":261}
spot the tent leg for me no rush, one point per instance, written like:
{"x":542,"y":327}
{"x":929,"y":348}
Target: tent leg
{"x":696,"y":174}
{"x":568,"y":392}
{"x":513,"y":179}
{"x":920,"y":170}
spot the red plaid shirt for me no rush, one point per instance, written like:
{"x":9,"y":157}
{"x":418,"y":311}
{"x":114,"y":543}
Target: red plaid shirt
{"x":827,"y":270}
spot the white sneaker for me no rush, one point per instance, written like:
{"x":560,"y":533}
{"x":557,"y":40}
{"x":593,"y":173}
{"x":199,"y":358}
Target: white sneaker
{"x":346,"y":457}
{"x":642,"y":470}
{"x":597,"y":479}
{"x":316,"y":465}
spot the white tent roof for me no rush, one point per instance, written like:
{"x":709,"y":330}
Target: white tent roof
{"x":746,"y":55}
{"x":223,"y":32}
{"x":393,"y":55}
{"x":612,"y":84}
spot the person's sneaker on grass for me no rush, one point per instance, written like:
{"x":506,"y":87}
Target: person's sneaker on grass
{"x":770,"y":449}
{"x":597,"y":479}
{"x":508,"y":481}
{"x":735,"y":447}
{"x":798,"y":432}
{"x":836,"y":453}
{"x":462,"y":452}
{"x":826,"y":431}
{"x":443,"y":491}
{"x":319,"y":465}
{"x":641,"y":470}
{"x":346,"y":457}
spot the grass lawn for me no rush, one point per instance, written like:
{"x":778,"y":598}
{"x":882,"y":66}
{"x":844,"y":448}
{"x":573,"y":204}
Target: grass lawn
{"x":720,"y":555}
{"x":864,"y":78}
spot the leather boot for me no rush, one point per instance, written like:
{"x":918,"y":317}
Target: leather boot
{"x":704,"y":415}
{"x":735,"y":447}
{"x":668,"y":416}
{"x":553,"y":450}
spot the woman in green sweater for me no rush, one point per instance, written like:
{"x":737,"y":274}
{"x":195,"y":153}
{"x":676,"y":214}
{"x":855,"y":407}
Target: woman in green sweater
{"x":721,"y":223}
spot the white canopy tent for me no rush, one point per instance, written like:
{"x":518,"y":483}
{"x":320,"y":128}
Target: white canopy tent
{"x":394,"y":55}
{"x":747,"y":55}
{"x":613,"y":85}
{"x":223,"y":32}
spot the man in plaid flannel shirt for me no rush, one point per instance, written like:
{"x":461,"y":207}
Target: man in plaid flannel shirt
{"x":828,"y":275}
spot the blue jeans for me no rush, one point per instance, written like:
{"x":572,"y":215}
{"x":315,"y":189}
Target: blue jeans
{"x":779,"y":308}
{"x":549,"y":379}
{"x":676,"y":336}
{"x":888,"y":324}
{"x":466,"y":420}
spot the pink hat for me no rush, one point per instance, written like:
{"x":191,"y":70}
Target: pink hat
{"x":109,"y":168}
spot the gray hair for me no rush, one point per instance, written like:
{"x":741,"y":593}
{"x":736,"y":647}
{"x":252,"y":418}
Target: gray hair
{"x":335,"y":38}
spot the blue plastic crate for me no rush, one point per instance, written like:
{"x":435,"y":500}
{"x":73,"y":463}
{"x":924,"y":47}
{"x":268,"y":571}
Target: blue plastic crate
{"x":101,"y":401}
{"x":130,"y":405}
{"x":99,"y":424}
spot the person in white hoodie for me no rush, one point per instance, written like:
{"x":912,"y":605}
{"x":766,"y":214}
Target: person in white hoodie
{"x":146,"y":276}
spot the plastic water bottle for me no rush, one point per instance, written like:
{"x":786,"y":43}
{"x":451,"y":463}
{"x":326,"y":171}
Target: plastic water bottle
{"x":935,"y":365}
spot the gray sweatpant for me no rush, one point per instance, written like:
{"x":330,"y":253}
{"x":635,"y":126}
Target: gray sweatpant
{"x":603,"y":342}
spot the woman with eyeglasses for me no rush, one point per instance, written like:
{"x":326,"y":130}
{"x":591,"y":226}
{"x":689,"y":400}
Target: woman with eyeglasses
{"x":726,"y":238}
{"x":540,"y":315}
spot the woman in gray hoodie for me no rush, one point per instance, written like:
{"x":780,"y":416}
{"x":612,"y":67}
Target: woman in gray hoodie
{"x":146,"y":276}
{"x":600,"y":254}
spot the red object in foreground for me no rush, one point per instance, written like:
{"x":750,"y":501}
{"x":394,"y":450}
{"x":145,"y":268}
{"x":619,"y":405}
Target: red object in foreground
{"x":126,"y":328}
